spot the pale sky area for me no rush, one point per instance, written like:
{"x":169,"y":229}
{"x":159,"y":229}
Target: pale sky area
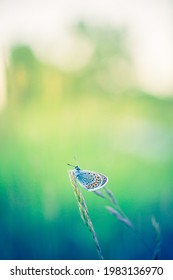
{"x":43,"y":23}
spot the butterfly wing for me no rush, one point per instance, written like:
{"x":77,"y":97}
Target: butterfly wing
{"x":104,"y":179}
{"x":91,"y":180}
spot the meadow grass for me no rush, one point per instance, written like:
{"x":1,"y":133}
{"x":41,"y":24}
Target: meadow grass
{"x":122,"y":217}
{"x":115,"y":211}
{"x":157,"y":239}
{"x":83,"y":209}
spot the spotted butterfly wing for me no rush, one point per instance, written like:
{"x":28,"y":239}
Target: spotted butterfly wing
{"x":91,"y":180}
{"x":104,"y":179}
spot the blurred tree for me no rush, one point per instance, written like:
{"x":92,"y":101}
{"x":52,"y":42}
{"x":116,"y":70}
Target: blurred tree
{"x":24,"y":76}
{"x":109,"y":64}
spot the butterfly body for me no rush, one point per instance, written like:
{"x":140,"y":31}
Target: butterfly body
{"x":89,"y":180}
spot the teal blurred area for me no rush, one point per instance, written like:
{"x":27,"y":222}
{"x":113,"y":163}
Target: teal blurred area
{"x":99,"y":115}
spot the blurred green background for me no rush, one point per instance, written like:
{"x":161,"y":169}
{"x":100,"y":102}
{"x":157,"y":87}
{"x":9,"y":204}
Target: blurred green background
{"x":99,"y":114}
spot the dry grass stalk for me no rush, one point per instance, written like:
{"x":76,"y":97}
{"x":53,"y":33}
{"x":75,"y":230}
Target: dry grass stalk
{"x":118,"y":212}
{"x":84,"y":212}
{"x":157,"y":242}
{"x":116,"y":209}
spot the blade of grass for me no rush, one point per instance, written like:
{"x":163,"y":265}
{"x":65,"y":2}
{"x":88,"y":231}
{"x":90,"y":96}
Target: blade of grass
{"x":157,"y":242}
{"x":114,"y":212}
{"x":84,"y":212}
{"x":119,"y":213}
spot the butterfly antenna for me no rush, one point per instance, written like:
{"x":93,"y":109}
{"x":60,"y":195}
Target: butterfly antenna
{"x":70,"y":164}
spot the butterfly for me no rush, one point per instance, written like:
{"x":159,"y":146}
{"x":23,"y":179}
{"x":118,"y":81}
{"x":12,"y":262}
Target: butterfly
{"x":89,"y":180}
